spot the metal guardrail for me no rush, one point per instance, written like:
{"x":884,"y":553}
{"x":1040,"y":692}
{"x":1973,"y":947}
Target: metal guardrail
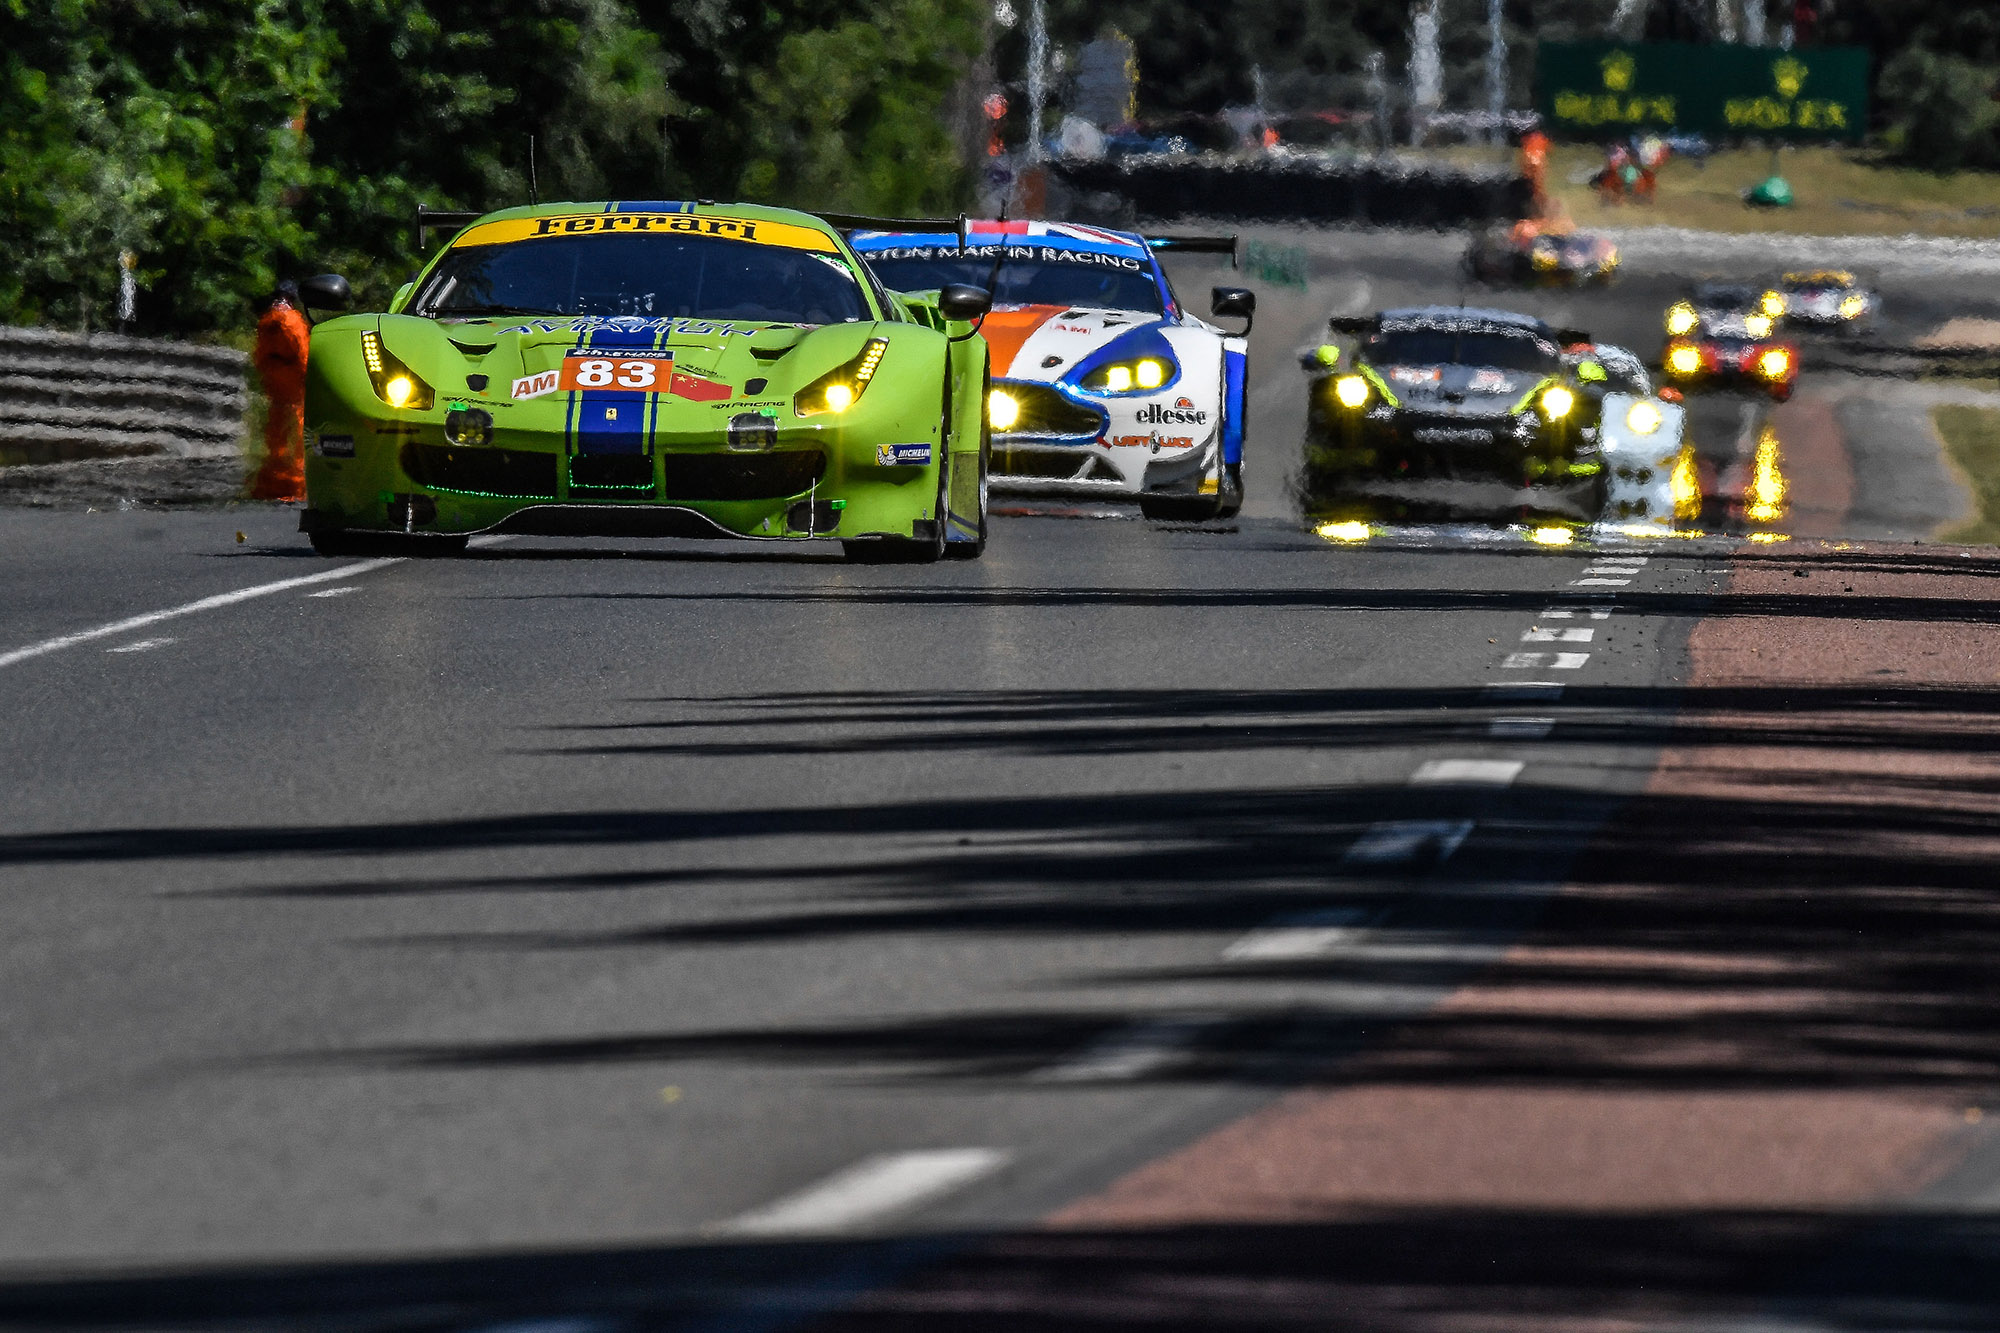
{"x":66,"y":396}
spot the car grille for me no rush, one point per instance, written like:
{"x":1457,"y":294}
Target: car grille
{"x":1426,"y":428}
{"x":1062,"y":464}
{"x":508,"y":472}
{"x":625,"y":472}
{"x":1046,"y":412}
{"x":772,"y":476}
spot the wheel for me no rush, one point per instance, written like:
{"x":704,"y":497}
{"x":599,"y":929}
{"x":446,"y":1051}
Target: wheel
{"x":436,"y":546}
{"x":972,"y":550}
{"x":1232,"y":491}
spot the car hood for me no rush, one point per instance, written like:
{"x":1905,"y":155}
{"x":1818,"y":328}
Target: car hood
{"x":712,"y":358}
{"x":1043,"y":343}
{"x":1455,"y":390}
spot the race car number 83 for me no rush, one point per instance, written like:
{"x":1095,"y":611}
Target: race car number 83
{"x":630,"y":372}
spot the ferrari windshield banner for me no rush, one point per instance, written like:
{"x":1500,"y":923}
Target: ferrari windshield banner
{"x":755,"y":230}
{"x":1599,"y":90}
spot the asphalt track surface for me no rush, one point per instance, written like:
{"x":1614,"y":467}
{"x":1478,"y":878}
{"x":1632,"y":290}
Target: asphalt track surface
{"x":1143,"y":926}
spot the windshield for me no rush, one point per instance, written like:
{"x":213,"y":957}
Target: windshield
{"x":1726,"y":298}
{"x":698,"y":277}
{"x":1444,"y":346}
{"x":1030,"y":275}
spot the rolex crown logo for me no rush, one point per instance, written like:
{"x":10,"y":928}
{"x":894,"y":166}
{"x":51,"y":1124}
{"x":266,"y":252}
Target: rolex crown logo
{"x":1789,"y":76}
{"x":1619,"y":68}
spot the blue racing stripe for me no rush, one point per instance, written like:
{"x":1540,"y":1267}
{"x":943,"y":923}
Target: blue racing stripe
{"x":605,"y":421}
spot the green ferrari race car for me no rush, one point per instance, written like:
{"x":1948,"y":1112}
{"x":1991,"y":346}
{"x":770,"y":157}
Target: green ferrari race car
{"x":651,"y":369}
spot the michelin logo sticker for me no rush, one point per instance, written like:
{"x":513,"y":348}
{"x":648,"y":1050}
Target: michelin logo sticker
{"x":902,"y":455}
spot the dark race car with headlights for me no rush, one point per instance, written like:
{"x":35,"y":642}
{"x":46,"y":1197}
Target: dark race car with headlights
{"x":1724,"y":334}
{"x":1447,"y":411}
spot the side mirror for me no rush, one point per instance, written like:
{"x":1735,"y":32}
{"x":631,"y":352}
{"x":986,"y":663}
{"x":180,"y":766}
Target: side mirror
{"x":328,"y":291}
{"x":1325,"y":357}
{"x":962,"y":303}
{"x":1670,"y":394}
{"x":1590,"y":372}
{"x":1234,"y":303}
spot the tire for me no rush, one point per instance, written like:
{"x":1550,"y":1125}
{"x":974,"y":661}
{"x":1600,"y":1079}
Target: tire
{"x":972,"y":550}
{"x":907,"y":550}
{"x":1232,"y":491}
{"x":346,"y":543}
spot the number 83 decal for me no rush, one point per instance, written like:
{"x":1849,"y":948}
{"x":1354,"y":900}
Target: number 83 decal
{"x":631,"y":372}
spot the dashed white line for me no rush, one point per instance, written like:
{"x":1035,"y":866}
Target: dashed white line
{"x":1539,"y":661}
{"x":872,"y":1189}
{"x":143,"y":645}
{"x":335,"y":592}
{"x":1393,"y":841}
{"x":1467,"y":772}
{"x":1305,"y":935}
{"x":130,"y":623}
{"x":1131,"y":1052}
{"x":1543,"y":634}
{"x":1571,"y":613}
{"x":1521,"y":728}
{"x":1599,"y":583}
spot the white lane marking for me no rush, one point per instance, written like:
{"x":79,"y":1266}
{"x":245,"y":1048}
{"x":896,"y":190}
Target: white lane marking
{"x":1619,"y":561}
{"x":1391,"y":841}
{"x":1571,"y":613}
{"x":1523,"y":691}
{"x":335,"y":592}
{"x":216,"y":602}
{"x":1131,"y":1052}
{"x":1541,"y":635}
{"x":1599,"y":583}
{"x":141,"y":646}
{"x":1522,"y":728}
{"x":1467,"y":772}
{"x":1569,"y":661}
{"x":1523,"y":661}
{"x":1304,"y":935}
{"x":868,"y":1191}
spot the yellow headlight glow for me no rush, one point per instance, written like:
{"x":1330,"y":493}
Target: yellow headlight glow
{"x":1351,"y":390}
{"x":1773,"y":304}
{"x":1002,"y":410}
{"x":839,"y":397}
{"x":1775,"y":364}
{"x":1149,"y":374}
{"x":1557,"y":402}
{"x":1118,"y":379}
{"x":398,"y":390}
{"x":1684,"y":360}
{"x":1757,"y":326}
{"x":1551,"y":536}
{"x":1351,"y":531}
{"x":1681,"y":319}
{"x":1851,"y":307}
{"x":1643,"y":418}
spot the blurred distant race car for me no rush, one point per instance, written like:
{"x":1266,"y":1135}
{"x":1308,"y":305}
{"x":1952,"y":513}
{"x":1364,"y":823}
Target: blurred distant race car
{"x":1723,"y":333}
{"x":1514,"y":254}
{"x":1650,"y":473}
{"x":1829,"y":298}
{"x":1454,"y":410}
{"x":1103,"y":384}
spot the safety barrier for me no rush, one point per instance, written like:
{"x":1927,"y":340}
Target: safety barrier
{"x":68,"y":396}
{"x":1303,"y":187}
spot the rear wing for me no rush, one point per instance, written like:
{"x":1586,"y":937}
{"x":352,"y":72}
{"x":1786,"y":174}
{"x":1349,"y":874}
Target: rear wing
{"x":1195,"y":245}
{"x":441,"y":219}
{"x":848,"y":223}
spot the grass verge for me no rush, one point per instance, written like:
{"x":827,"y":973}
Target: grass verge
{"x":1971,"y":438}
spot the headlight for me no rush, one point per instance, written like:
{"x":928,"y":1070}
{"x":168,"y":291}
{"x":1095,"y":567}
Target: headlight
{"x":1757,"y":326}
{"x":1851,"y":307}
{"x":1643,"y":418}
{"x":1002,"y":410}
{"x":395,"y":383}
{"x":1773,"y":304}
{"x":1681,"y":319}
{"x":1684,"y":359}
{"x":1127,"y":376}
{"x":1544,"y":259}
{"x":1775,"y":364}
{"x":1557,"y":401}
{"x":841,"y":387}
{"x":1351,"y":390}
